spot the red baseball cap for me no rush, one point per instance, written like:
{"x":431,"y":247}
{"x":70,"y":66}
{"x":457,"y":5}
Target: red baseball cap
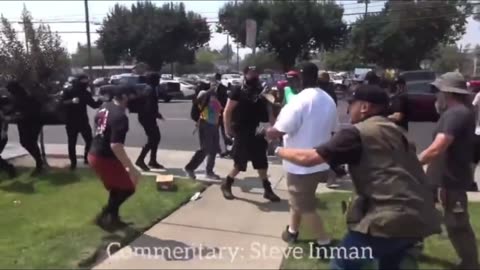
{"x":292,"y":73}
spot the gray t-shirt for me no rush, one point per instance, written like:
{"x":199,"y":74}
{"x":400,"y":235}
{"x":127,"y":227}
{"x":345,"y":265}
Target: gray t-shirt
{"x":454,"y":168}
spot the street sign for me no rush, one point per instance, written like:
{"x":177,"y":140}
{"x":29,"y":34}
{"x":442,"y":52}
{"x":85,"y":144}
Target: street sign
{"x":251,"y":28}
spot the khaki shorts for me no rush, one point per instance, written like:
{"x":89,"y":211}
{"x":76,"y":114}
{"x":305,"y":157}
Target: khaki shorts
{"x":302,"y":190}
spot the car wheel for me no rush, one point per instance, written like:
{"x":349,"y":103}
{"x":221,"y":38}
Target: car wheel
{"x":167,"y":99}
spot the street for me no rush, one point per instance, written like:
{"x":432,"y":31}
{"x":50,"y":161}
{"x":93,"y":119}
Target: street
{"x":177,"y":129}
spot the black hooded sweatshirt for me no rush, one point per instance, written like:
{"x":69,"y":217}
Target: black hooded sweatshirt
{"x":149,"y":108}
{"x":77,"y":113}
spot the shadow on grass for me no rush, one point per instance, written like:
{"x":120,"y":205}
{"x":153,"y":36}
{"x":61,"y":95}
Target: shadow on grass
{"x":60,"y":177}
{"x":127,"y":236}
{"x":436,"y":261}
{"x":19,"y":187}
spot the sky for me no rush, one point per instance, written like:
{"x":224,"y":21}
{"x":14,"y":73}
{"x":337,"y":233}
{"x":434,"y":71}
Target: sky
{"x":57,"y":11}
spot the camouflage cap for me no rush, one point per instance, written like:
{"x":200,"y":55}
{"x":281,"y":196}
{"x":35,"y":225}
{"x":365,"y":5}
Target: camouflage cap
{"x":452,"y":82}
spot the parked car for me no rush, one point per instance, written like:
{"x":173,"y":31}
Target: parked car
{"x":231,"y":80}
{"x":166,"y":90}
{"x":474,"y":84}
{"x":188,"y":90}
{"x":421,"y":101}
{"x":418,"y":75}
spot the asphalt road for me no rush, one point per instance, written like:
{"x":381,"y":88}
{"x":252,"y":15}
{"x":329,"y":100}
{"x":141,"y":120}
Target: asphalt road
{"x":177,"y":129}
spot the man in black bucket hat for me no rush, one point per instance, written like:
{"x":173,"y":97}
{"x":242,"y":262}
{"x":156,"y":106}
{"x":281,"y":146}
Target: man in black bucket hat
{"x":449,"y":158}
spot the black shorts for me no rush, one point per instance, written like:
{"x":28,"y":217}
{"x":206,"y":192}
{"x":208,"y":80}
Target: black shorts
{"x":250,"y":148}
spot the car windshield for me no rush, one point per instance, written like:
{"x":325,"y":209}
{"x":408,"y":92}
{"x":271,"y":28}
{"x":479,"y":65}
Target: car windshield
{"x":419,"y":87}
{"x":129,"y":80}
{"x":419,"y":76}
{"x":232,"y":76}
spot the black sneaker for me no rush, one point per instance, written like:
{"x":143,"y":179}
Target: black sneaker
{"x":190,"y":173}
{"x":156,"y":165}
{"x":213,"y":176}
{"x":73,"y":167}
{"x":289,"y":237}
{"x":269,"y":194}
{"x":140,"y":164}
{"x":227,"y":191}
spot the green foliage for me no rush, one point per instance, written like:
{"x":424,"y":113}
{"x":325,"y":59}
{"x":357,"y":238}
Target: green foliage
{"x":405,"y":32}
{"x":262,"y":61}
{"x":80,"y":57}
{"x":42,"y":61}
{"x":289,"y":28}
{"x":448,"y":58}
{"x":341,"y":60}
{"x":151,"y":34}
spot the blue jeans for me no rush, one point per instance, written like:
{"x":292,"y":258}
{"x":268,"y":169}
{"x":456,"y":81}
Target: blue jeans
{"x":388,"y":252}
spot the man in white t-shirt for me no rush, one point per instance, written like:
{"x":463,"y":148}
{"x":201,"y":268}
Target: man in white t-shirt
{"x":307,"y":121}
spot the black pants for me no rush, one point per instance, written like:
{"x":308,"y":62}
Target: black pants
{"x":153,"y":139}
{"x":29,"y":131}
{"x":72,"y":132}
{"x":115,"y":200}
{"x":4,"y":165}
{"x":209,"y":147}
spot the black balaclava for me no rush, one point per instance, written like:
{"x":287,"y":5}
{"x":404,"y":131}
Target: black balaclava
{"x":152,"y":79}
{"x":253,"y":85}
{"x":77,"y":83}
{"x":16,"y":90}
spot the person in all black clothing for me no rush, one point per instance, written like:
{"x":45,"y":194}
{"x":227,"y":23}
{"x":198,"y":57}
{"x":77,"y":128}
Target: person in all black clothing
{"x":76,"y":100}
{"x":147,"y":116}
{"x":399,"y":104}
{"x":244,"y":112}
{"x":107,"y":157}
{"x":29,"y":122}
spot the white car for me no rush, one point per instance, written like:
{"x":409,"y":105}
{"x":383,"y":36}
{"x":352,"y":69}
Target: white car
{"x":188,"y":90}
{"x":231,"y":79}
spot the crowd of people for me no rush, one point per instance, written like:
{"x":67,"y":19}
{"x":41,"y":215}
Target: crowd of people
{"x":393,"y":208}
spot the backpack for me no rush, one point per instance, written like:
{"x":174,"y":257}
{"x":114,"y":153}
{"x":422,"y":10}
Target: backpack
{"x":198,"y":106}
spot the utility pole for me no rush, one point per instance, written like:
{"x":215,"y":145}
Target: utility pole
{"x":89,"y":45}
{"x":228,"y":49}
{"x":238,"y":48}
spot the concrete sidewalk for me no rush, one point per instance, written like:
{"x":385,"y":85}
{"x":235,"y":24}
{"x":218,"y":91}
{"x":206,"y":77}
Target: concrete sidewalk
{"x":211,"y":233}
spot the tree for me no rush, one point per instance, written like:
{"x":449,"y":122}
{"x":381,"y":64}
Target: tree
{"x":341,"y":60}
{"x":448,"y":58}
{"x":151,"y":34}
{"x":405,"y":32}
{"x":80,"y":57}
{"x":290,"y":29}
{"x":44,"y":59}
{"x":262,"y":60}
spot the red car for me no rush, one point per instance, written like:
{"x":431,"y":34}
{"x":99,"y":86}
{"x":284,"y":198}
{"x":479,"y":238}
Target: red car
{"x":474,"y":84}
{"x":421,"y":101}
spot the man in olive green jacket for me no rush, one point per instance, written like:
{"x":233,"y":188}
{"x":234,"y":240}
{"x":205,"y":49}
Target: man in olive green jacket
{"x":393,"y":207}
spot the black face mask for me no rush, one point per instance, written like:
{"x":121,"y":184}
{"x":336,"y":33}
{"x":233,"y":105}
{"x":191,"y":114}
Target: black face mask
{"x":255,"y":82}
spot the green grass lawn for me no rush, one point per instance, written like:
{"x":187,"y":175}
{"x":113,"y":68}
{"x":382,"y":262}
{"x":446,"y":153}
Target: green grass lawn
{"x":438,"y":252}
{"x":48,"y":222}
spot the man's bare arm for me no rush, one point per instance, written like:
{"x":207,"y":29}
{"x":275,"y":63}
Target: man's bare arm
{"x":302,"y":157}
{"x":119,"y":150}
{"x":227,"y":116}
{"x":397,"y":117}
{"x":438,"y":146}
